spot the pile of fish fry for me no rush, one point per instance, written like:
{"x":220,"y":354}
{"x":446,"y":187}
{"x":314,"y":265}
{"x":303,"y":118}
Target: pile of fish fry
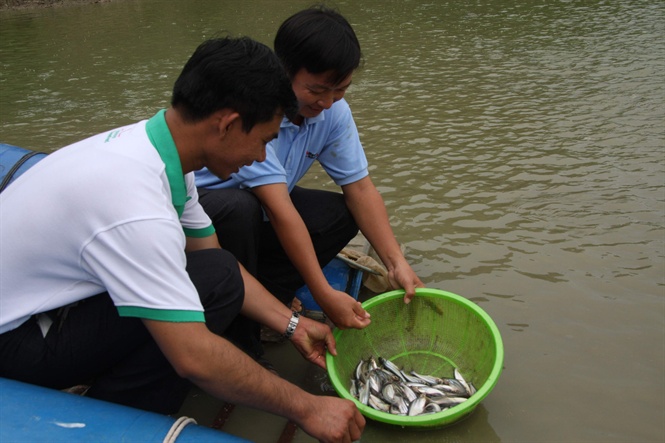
{"x":383,"y":386}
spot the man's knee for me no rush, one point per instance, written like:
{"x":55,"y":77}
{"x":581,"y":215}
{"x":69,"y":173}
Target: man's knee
{"x":211,"y":269}
{"x":227,"y":205}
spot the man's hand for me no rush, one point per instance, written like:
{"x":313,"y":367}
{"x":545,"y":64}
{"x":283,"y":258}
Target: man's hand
{"x":344,"y":311}
{"x":402,"y":277}
{"x":312,"y":338}
{"x":332,"y":419}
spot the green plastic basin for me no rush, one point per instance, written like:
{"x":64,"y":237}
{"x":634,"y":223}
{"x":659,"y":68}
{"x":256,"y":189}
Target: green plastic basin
{"x":435,"y":333}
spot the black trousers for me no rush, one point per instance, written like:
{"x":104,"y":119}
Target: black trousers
{"x":117,"y":355}
{"x":238,"y":219}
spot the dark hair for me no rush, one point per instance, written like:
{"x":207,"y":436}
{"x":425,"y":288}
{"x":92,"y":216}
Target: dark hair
{"x":318,"y":39}
{"x":235,"y":73}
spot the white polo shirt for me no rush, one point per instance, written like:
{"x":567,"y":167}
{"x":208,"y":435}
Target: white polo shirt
{"x":108,"y":213}
{"x":331,"y":138}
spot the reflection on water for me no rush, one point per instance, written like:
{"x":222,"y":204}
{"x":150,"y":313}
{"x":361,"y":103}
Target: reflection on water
{"x":518,"y":146}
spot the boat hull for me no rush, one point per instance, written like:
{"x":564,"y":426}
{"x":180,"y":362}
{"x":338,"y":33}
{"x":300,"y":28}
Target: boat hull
{"x":36,"y":414}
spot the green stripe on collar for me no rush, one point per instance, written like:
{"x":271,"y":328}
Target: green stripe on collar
{"x":161,"y":139}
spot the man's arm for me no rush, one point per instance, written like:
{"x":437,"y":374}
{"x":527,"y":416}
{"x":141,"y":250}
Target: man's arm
{"x":342,"y":309}
{"x":368,"y":209}
{"x":221,"y":369}
{"x":311,"y":337}
{"x":198,"y":243}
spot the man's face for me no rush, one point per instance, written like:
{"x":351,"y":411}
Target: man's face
{"x":240,"y":148}
{"x":315,"y":92}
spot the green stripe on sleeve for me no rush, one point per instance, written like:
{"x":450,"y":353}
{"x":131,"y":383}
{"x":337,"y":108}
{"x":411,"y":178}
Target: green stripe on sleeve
{"x":161,"y":314}
{"x":199,"y":233}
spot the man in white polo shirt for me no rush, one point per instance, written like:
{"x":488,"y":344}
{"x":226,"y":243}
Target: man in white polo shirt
{"x":114,"y":276}
{"x":308,"y":227}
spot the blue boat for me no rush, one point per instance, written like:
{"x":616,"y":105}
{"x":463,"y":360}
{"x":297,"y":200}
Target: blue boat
{"x":14,"y":161}
{"x":35,"y":414}
{"x":340,"y":276}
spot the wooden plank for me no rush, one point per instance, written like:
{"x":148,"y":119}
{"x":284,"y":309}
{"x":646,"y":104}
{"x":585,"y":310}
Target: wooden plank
{"x":222,"y":416}
{"x":288,"y":433}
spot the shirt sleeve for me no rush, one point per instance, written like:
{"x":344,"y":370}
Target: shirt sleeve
{"x":343,"y":156}
{"x":267,"y":172}
{"x":142,"y":265}
{"x":195,"y":222}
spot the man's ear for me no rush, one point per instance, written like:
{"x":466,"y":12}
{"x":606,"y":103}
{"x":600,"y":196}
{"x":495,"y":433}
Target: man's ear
{"x":226,"y":118}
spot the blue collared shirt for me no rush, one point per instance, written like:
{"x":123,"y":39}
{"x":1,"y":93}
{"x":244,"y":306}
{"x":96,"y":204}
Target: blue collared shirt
{"x":331,"y":138}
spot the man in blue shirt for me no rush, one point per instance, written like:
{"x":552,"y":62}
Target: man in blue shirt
{"x":308,"y":227}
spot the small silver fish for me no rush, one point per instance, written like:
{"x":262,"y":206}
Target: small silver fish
{"x":386,"y":376}
{"x":378,"y":404}
{"x":372,"y":364}
{"x":386,"y":387}
{"x":409,"y":393}
{"x":400,"y":408}
{"x":417,"y":406}
{"x":353,"y":390}
{"x":360,"y":371}
{"x":429,"y":391}
{"x":459,"y":378}
{"x":428,"y":379}
{"x":390,"y":393}
{"x":374,"y":382}
{"x":448,"y":401}
{"x":410,"y":378}
{"x":472,"y":389}
{"x":363,"y":394}
{"x":392,"y":367}
{"x":452,"y":386}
